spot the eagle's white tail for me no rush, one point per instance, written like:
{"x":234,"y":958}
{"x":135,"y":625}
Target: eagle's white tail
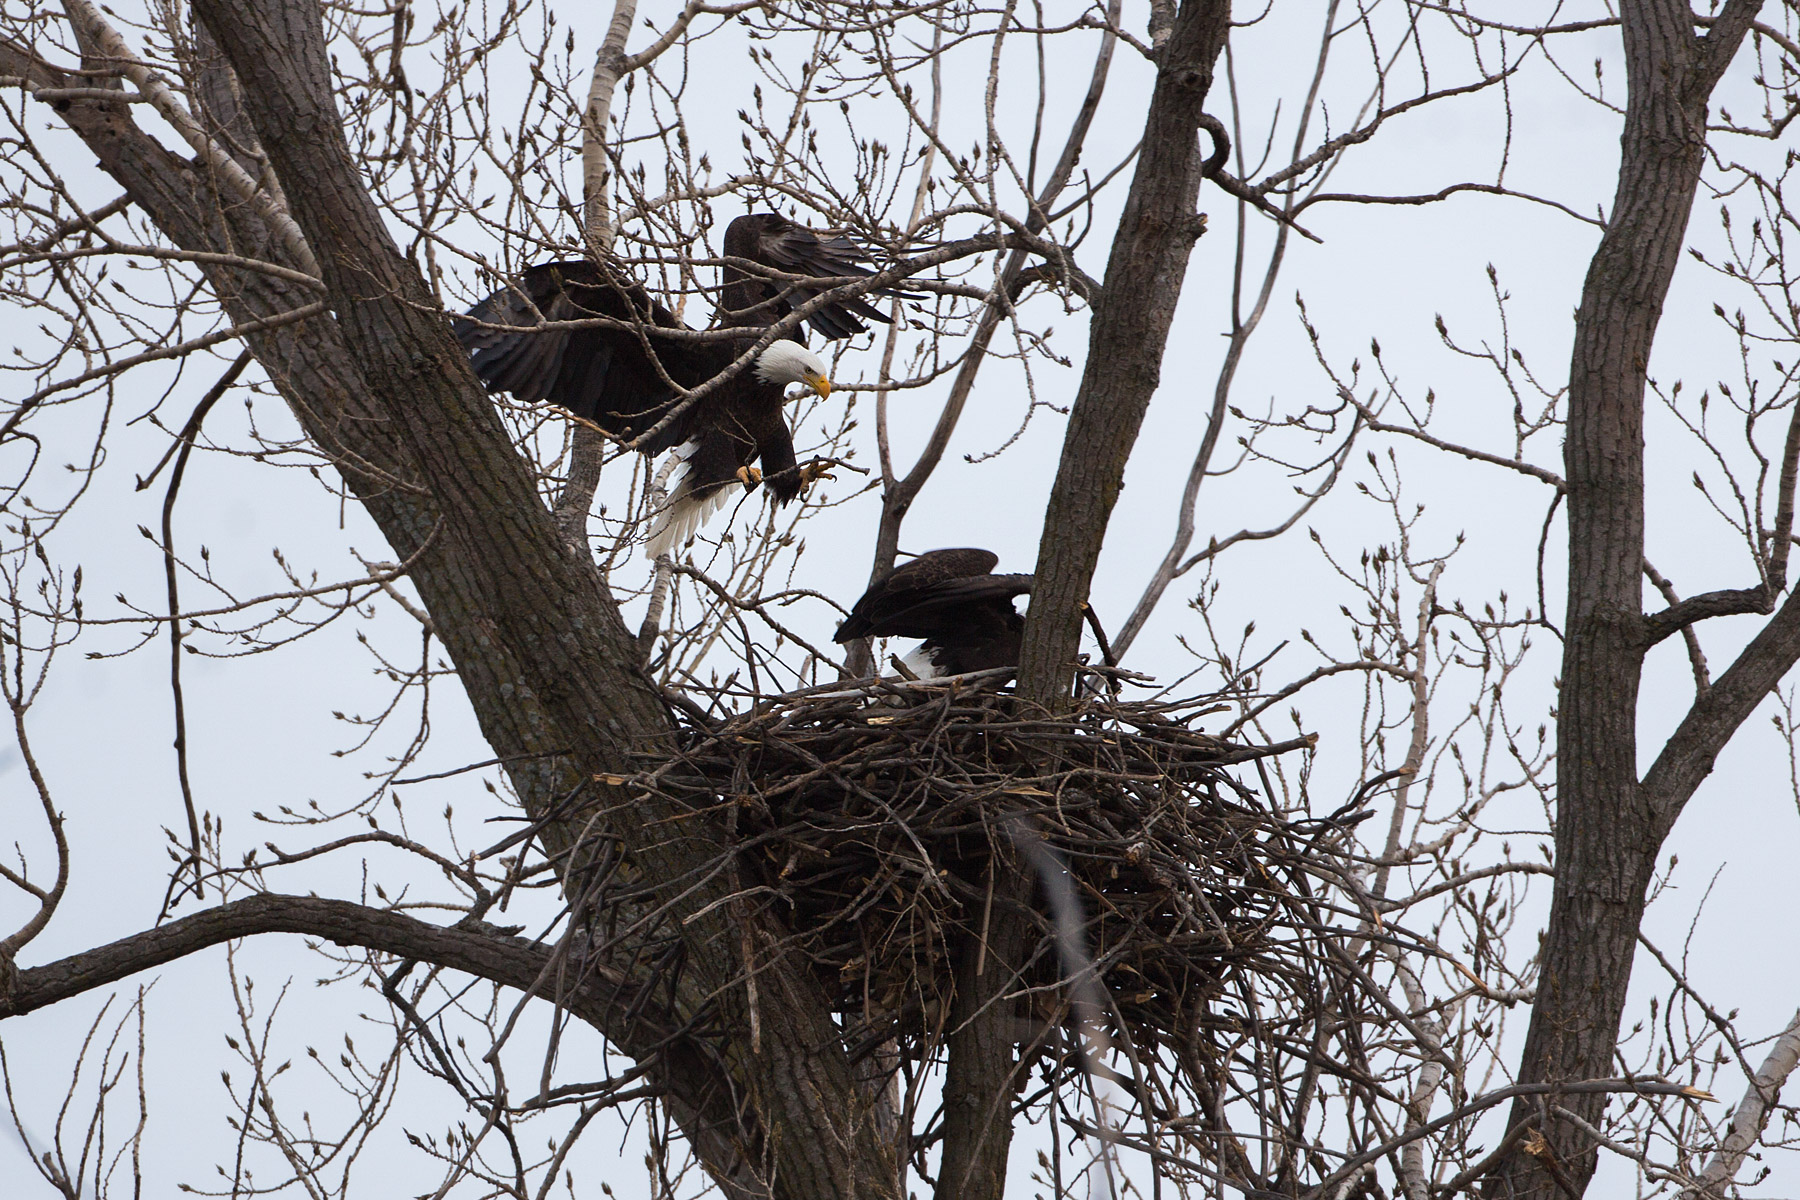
{"x":920,"y":664}
{"x":683,"y":513}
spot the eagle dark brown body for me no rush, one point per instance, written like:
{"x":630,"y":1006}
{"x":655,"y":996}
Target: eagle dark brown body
{"x":624,"y":377}
{"x":951,"y":599}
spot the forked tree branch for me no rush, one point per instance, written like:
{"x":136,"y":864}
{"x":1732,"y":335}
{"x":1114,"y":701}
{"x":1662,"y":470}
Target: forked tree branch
{"x":1724,"y":37}
{"x":1682,"y":615}
{"x":106,"y":44}
{"x":1687,"y":757}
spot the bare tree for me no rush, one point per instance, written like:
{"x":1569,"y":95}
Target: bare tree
{"x":834,"y":933}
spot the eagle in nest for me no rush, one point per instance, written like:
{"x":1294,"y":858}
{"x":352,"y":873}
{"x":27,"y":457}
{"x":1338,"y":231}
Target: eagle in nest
{"x":622,"y":377}
{"x":952,"y":599}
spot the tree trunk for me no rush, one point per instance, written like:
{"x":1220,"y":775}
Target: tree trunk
{"x":980,"y":1077}
{"x":538,"y":641}
{"x":1126,"y":338}
{"x":1608,"y":832}
{"x":1130,"y":327}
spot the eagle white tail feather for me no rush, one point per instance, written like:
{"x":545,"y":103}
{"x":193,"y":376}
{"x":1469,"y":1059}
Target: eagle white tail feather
{"x":676,"y":525}
{"x":683,"y":513}
{"x":920,"y":664}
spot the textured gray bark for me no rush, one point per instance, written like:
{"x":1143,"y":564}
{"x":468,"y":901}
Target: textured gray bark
{"x":1126,"y":339}
{"x":1610,"y":827}
{"x":980,"y":1076}
{"x":544,"y":601}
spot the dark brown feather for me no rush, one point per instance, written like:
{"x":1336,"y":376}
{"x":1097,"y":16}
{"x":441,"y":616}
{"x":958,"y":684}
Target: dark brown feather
{"x":603,"y":375}
{"x":793,"y":249}
{"x":619,"y":378}
{"x":948,"y":597}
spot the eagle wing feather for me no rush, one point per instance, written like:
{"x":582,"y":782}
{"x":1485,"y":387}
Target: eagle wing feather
{"x":604,"y":375}
{"x":916,"y":598}
{"x":794,"y":249}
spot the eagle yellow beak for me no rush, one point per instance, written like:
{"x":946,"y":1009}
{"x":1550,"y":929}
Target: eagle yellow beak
{"x":819,"y":384}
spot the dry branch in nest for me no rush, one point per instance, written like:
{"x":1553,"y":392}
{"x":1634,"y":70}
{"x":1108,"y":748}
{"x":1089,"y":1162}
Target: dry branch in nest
{"x":1224,"y":934}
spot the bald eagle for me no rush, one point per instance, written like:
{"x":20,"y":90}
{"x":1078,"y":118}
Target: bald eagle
{"x":621,"y":378}
{"x":952,"y":599}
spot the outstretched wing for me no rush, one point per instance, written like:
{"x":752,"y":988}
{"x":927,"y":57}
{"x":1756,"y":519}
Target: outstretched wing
{"x":915,"y":586}
{"x":781,"y":244}
{"x":603,"y":375}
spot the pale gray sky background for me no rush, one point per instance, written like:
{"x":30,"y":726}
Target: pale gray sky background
{"x":263,"y":730}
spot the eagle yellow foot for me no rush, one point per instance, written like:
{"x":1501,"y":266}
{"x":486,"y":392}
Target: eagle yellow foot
{"x":749,"y":476}
{"x":817,"y":469}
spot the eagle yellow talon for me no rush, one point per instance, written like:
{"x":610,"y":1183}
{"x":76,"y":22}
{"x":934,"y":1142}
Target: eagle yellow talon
{"x":813,"y":472}
{"x":749,"y":476}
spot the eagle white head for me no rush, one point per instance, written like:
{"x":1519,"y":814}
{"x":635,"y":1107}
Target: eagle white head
{"x":788,"y":362}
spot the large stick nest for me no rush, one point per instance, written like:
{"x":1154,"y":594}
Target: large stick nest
{"x":875,"y":821}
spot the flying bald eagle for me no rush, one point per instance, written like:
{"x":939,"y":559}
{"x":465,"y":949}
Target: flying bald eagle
{"x":610,"y":375}
{"x":952,"y":599}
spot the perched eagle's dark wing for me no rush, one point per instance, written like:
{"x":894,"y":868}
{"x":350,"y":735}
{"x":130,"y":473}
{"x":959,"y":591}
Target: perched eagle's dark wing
{"x":938,"y":566}
{"x":914,"y":583}
{"x":955,"y":610}
{"x":949,"y":598}
{"x":774,"y":241}
{"x":600,"y":374}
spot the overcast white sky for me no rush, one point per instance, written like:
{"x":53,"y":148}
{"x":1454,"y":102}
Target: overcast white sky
{"x":264,"y":732}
